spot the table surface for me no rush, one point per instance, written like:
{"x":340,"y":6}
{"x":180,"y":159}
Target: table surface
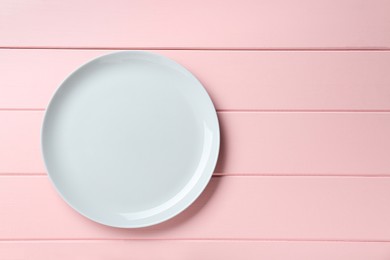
{"x":302,"y":91}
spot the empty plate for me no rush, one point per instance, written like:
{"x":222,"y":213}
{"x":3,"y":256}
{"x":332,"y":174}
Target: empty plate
{"x":130,"y":139}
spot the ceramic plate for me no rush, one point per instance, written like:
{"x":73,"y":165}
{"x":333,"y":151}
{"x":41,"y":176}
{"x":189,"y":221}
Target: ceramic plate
{"x":130,"y":139}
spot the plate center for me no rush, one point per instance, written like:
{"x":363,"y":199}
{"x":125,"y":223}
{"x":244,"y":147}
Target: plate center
{"x":134,"y":146}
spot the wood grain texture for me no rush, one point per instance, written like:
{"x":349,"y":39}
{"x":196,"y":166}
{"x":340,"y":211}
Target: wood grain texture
{"x":265,"y":208}
{"x":239,"y":80}
{"x":263,"y":143}
{"x":196,"y":24}
{"x":268,"y":55}
{"x":207,"y":250}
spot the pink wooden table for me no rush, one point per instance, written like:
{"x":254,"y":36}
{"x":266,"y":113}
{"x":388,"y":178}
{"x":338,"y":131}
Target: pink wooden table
{"x":302,"y":90}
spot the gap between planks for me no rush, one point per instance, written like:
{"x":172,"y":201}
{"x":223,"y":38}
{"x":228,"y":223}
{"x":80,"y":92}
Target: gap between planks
{"x":276,"y":240}
{"x":220,"y":175}
{"x":249,"y":110}
{"x":190,"y":48}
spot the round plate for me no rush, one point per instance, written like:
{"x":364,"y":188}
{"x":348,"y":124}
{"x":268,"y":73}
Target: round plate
{"x":130,"y":139}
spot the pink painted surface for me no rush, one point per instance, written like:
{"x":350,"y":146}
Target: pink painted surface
{"x":239,"y":80}
{"x":194,"y":250}
{"x":263,"y":208}
{"x":255,"y":143}
{"x":302,"y":88}
{"x":196,"y":24}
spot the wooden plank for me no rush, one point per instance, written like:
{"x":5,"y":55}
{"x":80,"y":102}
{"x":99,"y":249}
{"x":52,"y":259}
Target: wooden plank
{"x":239,"y":80}
{"x":175,"y":250}
{"x":264,"y":208}
{"x":280,"y":143}
{"x":20,"y":142}
{"x":196,"y":24}
{"x":305,"y":143}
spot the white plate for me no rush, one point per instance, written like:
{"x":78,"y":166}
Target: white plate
{"x":130,"y":139}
